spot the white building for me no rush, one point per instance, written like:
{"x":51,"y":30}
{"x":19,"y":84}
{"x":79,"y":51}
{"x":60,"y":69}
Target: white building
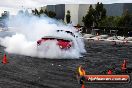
{"x":77,"y":11}
{"x":73,"y":8}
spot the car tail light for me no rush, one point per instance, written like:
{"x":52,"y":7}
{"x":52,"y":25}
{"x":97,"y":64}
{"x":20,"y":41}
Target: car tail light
{"x":64,"y":44}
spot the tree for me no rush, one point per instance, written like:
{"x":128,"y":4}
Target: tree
{"x":5,"y":15}
{"x":100,"y":13}
{"x":50,"y":14}
{"x":125,"y":20}
{"x":35,"y":12}
{"x":109,"y":21}
{"x":68,"y":17}
{"x":94,"y":16}
{"x":46,"y":12}
{"x":41,"y":11}
{"x":89,"y":18}
{"x":103,"y":14}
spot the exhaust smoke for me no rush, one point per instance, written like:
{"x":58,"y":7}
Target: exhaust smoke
{"x":29,"y":29}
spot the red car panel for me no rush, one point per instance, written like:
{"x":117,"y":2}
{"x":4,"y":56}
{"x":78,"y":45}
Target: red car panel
{"x":63,"y":44}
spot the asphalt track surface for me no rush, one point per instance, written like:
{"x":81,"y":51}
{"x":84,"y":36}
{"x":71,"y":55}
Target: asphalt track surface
{"x":28,"y":72}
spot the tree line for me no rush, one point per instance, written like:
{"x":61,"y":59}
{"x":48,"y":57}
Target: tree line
{"x":50,"y":14}
{"x":40,"y":12}
{"x":96,"y":17}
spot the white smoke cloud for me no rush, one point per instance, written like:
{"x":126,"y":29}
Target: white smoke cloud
{"x":29,"y":29}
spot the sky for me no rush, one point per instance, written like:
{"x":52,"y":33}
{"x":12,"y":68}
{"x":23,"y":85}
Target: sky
{"x":38,"y":3}
{"x":19,"y":4}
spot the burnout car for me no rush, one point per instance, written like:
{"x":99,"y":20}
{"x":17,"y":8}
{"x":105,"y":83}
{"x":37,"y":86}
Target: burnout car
{"x":63,"y":43}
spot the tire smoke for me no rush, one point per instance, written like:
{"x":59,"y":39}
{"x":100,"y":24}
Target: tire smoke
{"x":29,"y":29}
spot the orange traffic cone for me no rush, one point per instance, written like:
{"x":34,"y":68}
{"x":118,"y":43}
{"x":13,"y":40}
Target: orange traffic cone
{"x":4,"y":61}
{"x":83,"y":86}
{"x":109,"y":72}
{"x":124,"y":66}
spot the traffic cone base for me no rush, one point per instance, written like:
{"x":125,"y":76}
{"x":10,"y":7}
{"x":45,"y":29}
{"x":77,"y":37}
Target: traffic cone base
{"x":124,"y":66}
{"x":109,"y":72}
{"x":4,"y":60}
{"x":83,"y":86}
